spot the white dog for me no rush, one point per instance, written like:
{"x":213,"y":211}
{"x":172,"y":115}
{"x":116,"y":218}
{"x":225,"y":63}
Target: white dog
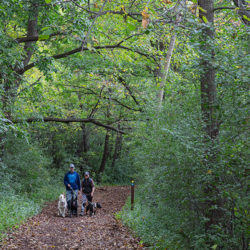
{"x":62,"y":205}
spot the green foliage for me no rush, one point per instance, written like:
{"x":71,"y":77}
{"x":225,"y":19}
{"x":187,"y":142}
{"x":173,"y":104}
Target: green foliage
{"x":107,"y":67}
{"x":172,"y":172}
{"x":121,"y":173}
{"x":26,"y":181}
{"x":14,"y":210}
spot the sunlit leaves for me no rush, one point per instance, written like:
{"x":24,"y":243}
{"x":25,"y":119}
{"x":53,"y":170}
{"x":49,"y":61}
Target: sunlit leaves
{"x":204,"y":19}
{"x":43,"y":37}
{"x":247,"y":18}
{"x":131,"y":27}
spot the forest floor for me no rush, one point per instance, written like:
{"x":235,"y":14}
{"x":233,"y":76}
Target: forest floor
{"x":102,"y":231}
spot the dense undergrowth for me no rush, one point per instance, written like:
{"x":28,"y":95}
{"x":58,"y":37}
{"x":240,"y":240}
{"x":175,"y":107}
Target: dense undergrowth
{"x":27,"y":182}
{"x":170,"y":210}
{"x":31,"y":174}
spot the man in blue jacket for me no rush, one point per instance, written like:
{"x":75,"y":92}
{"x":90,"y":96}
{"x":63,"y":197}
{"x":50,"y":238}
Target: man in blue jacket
{"x":71,"y":181}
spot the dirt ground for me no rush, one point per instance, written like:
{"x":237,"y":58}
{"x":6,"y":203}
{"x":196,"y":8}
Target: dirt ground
{"x":102,"y":231}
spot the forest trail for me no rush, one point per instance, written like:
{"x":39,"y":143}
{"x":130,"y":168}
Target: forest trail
{"x":102,"y":231}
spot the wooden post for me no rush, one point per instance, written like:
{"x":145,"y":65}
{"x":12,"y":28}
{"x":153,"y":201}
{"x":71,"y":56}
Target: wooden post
{"x":132,"y":194}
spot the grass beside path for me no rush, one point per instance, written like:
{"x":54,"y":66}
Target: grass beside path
{"x":16,"y":208}
{"x":102,"y":231}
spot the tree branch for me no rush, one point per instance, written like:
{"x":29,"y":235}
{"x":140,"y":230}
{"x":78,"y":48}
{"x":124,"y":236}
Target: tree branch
{"x":30,"y":86}
{"x":127,"y":38}
{"x":93,"y":111}
{"x":130,"y":14}
{"x":243,"y":10}
{"x":37,"y":38}
{"x":137,"y":51}
{"x":122,"y":81}
{"x":224,"y":8}
{"x":79,"y":49}
{"x":107,"y":98}
{"x":68,"y":120}
{"x":121,"y":12}
{"x":91,"y":26}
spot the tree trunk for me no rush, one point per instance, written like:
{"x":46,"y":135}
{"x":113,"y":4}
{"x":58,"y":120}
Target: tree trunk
{"x":111,"y":145}
{"x":105,"y":153}
{"x":31,"y":32}
{"x":207,"y":80}
{"x":212,"y":210}
{"x":165,"y":64}
{"x":83,"y":146}
{"x":118,"y":146}
{"x":164,"y":68}
{"x":10,"y":87}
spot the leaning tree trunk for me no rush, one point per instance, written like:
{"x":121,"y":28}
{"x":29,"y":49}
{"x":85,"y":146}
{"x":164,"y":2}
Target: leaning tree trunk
{"x":212,"y":210}
{"x":164,"y":64}
{"x":164,"y":68}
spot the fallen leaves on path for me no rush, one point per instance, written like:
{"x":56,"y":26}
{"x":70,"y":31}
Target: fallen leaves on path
{"x":102,"y":231}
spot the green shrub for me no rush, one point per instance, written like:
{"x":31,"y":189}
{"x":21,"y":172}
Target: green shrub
{"x":27,"y":182}
{"x":15,"y":209}
{"x":171,"y":202}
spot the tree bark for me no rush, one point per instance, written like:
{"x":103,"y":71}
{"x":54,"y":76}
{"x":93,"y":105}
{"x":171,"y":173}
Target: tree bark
{"x":164,"y":68}
{"x":31,"y":32}
{"x":80,"y":49}
{"x":105,"y":152}
{"x":213,"y":204}
{"x":36,"y":38}
{"x":207,"y":80}
{"x":83,"y":146}
{"x":68,"y":120}
{"x":111,"y":145}
{"x":10,"y":87}
{"x":165,"y":64}
{"x":117,"y":150}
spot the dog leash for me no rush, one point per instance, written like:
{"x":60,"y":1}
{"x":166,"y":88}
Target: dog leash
{"x":73,"y":191}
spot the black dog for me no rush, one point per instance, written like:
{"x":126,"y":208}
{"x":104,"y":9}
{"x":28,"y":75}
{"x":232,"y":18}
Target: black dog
{"x":92,"y":207}
{"x":73,"y":205}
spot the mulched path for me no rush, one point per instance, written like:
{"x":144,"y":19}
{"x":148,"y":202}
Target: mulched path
{"x":102,"y":231}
